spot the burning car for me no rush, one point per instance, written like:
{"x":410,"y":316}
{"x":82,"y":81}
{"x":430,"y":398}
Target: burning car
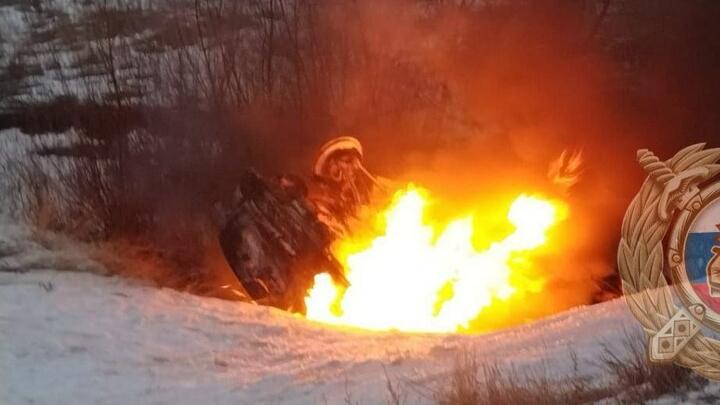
{"x":341,"y":248}
{"x":278,"y":235}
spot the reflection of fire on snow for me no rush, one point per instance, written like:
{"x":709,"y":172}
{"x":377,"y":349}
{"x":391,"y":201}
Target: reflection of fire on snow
{"x":419,"y":276}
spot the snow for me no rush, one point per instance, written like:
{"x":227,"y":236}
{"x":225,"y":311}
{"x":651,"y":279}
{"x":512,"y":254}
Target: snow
{"x":69,"y":337}
{"x":80,"y":337}
{"x":72,"y":334}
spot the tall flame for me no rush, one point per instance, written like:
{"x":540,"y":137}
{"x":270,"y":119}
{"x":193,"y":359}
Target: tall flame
{"x":413,"y":279}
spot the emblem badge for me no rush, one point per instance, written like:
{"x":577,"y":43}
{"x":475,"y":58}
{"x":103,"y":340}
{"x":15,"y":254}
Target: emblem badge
{"x":670,"y":247}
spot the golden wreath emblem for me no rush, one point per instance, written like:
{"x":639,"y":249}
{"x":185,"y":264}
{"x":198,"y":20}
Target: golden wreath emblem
{"x":677,"y":206}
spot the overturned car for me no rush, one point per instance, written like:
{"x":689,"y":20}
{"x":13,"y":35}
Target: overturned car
{"x":278,"y":234}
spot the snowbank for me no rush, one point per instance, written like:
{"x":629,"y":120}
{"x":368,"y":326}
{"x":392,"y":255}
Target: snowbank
{"x":68,"y":337}
{"x":79,"y":337}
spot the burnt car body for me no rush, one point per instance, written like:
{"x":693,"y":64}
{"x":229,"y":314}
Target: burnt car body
{"x":279,"y":233}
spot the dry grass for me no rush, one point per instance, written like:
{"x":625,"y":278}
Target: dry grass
{"x":637,"y":378}
{"x":630,"y":378}
{"x":472,"y":383}
{"x":397,"y":395}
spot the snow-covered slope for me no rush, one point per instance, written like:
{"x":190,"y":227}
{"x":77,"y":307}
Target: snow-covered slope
{"x":68,"y":337}
{"x":77,"y":337}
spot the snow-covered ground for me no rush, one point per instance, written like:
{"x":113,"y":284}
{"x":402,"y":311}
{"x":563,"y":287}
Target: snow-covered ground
{"x":77,"y":337}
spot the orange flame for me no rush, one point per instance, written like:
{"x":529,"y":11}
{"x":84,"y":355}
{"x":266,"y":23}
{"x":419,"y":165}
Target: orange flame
{"x":565,"y":171}
{"x":408,"y":278}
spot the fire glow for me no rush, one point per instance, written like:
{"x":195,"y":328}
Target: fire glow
{"x":412,"y":278}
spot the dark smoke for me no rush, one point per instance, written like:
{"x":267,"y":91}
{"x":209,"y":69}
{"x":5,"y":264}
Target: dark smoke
{"x":472,"y":99}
